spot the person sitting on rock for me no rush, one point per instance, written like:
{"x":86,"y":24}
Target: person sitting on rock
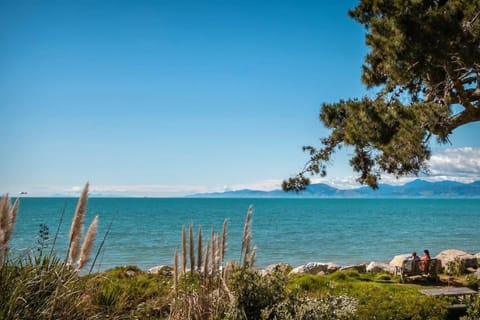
{"x":413,"y":256}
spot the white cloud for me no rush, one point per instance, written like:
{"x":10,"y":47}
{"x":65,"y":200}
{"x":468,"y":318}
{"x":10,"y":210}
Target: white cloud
{"x":167,"y":190}
{"x":455,"y":164}
{"x":459,"y":163}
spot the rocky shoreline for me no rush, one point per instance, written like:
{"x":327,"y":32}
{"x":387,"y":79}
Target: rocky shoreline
{"x":450,"y":258}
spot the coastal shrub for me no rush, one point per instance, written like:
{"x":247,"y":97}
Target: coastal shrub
{"x":472,"y":282}
{"x":298,"y":307}
{"x":456,"y":267}
{"x":381,"y":303}
{"x":253,"y":292}
{"x":39,"y":287}
{"x":375,"y":296}
{"x":121,"y":290}
{"x":473,"y":308}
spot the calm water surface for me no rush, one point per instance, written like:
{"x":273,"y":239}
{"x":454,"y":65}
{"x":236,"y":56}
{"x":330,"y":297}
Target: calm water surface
{"x":146,"y":231}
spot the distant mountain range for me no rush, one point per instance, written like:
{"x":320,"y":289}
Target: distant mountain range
{"x":415,"y":189}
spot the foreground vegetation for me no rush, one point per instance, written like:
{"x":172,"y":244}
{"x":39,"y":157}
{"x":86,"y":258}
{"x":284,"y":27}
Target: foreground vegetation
{"x":199,"y":285}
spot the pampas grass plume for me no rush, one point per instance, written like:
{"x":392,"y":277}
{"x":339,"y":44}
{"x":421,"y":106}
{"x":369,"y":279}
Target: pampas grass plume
{"x":184,"y":250}
{"x":199,"y":249}
{"x":224,"y":241}
{"x":88,"y":243}
{"x":11,"y":221}
{"x":175,"y":270}
{"x":206,"y":262}
{"x":77,"y":226}
{"x":192,"y":250}
{"x":8,"y":215}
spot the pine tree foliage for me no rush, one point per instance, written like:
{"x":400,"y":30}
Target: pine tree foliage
{"x":424,"y":65}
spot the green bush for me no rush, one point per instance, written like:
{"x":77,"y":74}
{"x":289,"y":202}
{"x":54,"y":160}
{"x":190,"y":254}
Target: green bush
{"x":473,"y":308}
{"x":121,"y":290}
{"x":253,"y":292}
{"x":39,"y":287}
{"x":299,"y":307}
{"x":379,"y":303}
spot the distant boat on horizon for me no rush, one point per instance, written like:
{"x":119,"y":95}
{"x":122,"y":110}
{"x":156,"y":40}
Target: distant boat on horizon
{"x":23,"y":192}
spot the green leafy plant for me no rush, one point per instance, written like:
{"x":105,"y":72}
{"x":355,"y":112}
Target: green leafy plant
{"x":456,"y":267}
{"x":473,"y":308}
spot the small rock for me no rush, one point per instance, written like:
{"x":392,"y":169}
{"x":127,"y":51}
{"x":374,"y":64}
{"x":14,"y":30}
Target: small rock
{"x":317,"y":267}
{"x":398,"y":260}
{"x":130,"y":273}
{"x":297,"y":270}
{"x":362,"y":268}
{"x":163,"y":270}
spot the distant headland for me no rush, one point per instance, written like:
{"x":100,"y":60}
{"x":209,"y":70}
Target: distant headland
{"x":414,"y":189}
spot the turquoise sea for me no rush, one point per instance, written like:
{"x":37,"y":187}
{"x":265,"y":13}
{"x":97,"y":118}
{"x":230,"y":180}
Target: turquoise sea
{"x":146,"y":231}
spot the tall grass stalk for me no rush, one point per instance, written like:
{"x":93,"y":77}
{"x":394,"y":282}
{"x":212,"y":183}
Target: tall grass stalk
{"x":246,"y":238}
{"x":8,"y":216}
{"x":77,"y":226}
{"x":100,"y":247}
{"x":60,"y":222}
{"x":206,"y":260}
{"x":224,"y":241}
{"x":88,"y":243}
{"x":192,"y":249}
{"x":213,"y":241}
{"x":199,"y":249}
{"x":184,"y":250}
{"x":175,"y":271}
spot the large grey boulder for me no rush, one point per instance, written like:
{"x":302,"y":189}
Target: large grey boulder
{"x":398,"y":260}
{"x":320,"y":267}
{"x":298,"y":270}
{"x":362,"y":268}
{"x":376,"y":267}
{"x":316,"y":268}
{"x":451,"y":255}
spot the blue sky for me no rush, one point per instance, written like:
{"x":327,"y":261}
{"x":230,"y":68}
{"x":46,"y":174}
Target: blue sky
{"x":172,"y":97}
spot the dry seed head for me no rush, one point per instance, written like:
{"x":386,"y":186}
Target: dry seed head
{"x":224,"y":241}
{"x":77,"y":226}
{"x":175,"y":270}
{"x":206,"y":262}
{"x":199,"y":248}
{"x":246,"y":238}
{"x":214,"y":253}
{"x":12,"y":219}
{"x":8,"y":215}
{"x":192,"y":250}
{"x":251,"y":260}
{"x":88,"y":243}
{"x":4,"y":211}
{"x":184,"y":250}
